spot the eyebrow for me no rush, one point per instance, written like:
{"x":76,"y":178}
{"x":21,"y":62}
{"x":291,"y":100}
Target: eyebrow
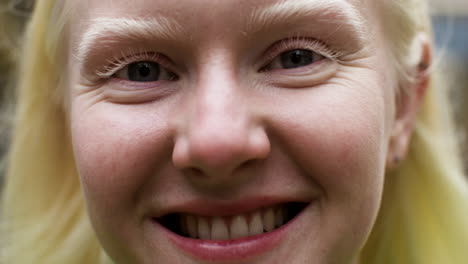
{"x":339,"y":12}
{"x":102,"y":31}
{"x":107,"y":30}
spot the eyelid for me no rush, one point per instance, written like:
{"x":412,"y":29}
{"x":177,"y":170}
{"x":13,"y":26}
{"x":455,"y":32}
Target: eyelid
{"x":312,"y":44}
{"x":120,"y":62}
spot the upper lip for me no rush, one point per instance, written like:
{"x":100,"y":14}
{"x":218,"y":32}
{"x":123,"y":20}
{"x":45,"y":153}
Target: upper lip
{"x":212,"y":208}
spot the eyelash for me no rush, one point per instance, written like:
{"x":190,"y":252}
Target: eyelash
{"x":132,"y":56}
{"x":293,"y":43}
{"x":127,"y":58}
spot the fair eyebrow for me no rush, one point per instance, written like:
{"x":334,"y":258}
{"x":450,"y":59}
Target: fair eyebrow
{"x":339,"y":12}
{"x":106,"y":30}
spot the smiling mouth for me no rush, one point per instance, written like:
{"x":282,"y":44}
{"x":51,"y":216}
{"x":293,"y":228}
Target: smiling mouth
{"x":231,"y":227}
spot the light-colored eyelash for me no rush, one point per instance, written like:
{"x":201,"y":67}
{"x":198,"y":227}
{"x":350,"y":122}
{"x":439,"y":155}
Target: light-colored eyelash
{"x":126,"y":58}
{"x":131,"y":56}
{"x":312,"y":44}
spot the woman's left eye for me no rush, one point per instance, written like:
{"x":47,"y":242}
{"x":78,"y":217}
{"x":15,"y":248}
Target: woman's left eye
{"x":294,"y":59}
{"x":144,"y":71}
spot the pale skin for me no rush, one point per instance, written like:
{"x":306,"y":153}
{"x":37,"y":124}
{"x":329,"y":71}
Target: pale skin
{"x":227,"y":120}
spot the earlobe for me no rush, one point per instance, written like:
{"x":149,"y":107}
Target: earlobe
{"x":409,"y":100}
{"x":399,"y":143}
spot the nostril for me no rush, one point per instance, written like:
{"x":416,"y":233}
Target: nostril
{"x":246,"y":164}
{"x":196,"y":172}
{"x":220,"y":152}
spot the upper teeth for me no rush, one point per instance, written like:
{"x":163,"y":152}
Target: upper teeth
{"x":233,"y":227}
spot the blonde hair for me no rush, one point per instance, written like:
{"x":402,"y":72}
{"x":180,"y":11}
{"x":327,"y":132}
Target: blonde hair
{"x":423,"y":217}
{"x":43,"y":211}
{"x":424,"y":212}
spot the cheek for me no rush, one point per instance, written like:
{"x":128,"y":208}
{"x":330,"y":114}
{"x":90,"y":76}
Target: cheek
{"x":337,"y":136}
{"x":336,"y":132}
{"x":342,"y":146}
{"x":116,"y":148}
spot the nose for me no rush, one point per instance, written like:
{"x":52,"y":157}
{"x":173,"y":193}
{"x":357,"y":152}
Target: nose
{"x":218,"y":133}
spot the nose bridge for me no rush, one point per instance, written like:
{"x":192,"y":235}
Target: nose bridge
{"x":220,"y":111}
{"x":220,"y":132}
{"x":218,"y":129}
{"x":217,"y":95}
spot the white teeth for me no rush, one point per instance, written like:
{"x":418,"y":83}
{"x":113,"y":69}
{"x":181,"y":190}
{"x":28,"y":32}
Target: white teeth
{"x":219,"y":230}
{"x":234,"y":227}
{"x":239,"y":227}
{"x":203,"y":228}
{"x":192,"y":226}
{"x":256,"y":225}
{"x":269,"y":219}
{"x":279,"y":217}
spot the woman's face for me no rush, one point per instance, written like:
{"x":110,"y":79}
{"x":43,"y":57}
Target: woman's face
{"x":236,"y":131}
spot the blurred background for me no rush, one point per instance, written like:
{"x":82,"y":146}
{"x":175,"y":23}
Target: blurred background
{"x":450,"y":19}
{"x":13,"y":16}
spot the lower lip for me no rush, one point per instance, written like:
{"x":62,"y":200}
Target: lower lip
{"x":233,"y":250}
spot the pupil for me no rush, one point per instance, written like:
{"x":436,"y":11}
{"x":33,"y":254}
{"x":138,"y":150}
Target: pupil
{"x":296,"y":58}
{"x":145,"y":71}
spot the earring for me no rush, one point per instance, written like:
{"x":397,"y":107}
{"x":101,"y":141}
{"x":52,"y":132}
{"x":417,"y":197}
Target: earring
{"x":396,"y":160}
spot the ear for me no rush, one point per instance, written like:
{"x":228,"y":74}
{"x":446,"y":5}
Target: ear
{"x":409,"y":99}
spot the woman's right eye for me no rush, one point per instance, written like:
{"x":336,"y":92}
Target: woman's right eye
{"x":144,"y":71}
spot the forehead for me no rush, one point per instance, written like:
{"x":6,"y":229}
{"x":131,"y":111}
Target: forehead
{"x":229,"y":12}
{"x":206,"y":7}
{"x":188,"y":19}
